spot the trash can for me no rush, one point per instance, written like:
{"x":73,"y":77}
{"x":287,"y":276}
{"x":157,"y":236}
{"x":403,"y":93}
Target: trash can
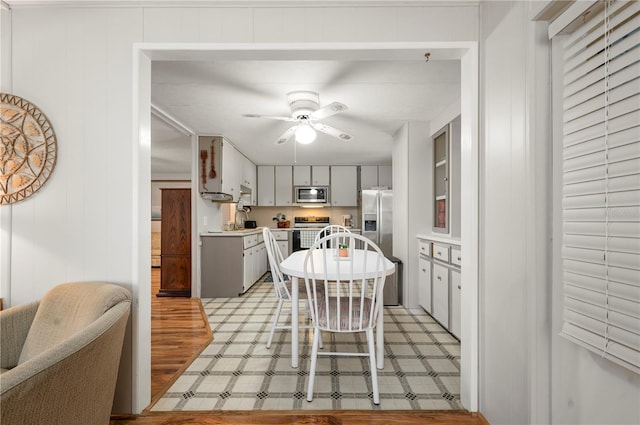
{"x":393,"y":285}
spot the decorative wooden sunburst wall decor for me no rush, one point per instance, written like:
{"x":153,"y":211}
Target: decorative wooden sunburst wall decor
{"x":27,"y":150}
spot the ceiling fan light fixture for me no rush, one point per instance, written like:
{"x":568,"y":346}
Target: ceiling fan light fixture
{"x":305,"y":134}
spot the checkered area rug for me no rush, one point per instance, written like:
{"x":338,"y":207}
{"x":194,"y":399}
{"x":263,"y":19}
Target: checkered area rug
{"x":237,"y":371}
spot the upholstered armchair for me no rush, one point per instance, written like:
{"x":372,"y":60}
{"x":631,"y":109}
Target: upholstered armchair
{"x":59,"y":356}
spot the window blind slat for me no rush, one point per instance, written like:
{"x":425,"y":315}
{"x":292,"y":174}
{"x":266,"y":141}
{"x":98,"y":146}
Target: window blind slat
{"x":616,"y":124}
{"x":624,"y":356}
{"x":594,"y":43}
{"x":618,"y":289}
{"x":617,"y":184}
{"x":597,"y":61}
{"x":592,"y":25}
{"x":581,"y":105}
{"x":599,"y":298}
{"x":622,"y":69}
{"x":621,"y":138}
{"x":628,"y":245}
{"x":617,"y":108}
{"x":592,"y":316}
{"x":628,"y":229}
{"x":618,"y":154}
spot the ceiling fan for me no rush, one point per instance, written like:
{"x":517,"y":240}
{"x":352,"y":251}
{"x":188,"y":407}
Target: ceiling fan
{"x":305,"y":111}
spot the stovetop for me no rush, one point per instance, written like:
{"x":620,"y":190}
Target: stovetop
{"x":318,"y":222}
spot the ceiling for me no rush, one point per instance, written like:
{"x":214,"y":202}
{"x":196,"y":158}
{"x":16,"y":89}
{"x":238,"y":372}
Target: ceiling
{"x":210,"y":97}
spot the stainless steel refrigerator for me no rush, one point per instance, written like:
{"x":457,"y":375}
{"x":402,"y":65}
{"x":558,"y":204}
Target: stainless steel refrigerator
{"x":377,"y":222}
{"x":377,"y":225}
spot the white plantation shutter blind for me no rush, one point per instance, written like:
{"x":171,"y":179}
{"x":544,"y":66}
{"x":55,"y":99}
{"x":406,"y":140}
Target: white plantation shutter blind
{"x":601,"y":184}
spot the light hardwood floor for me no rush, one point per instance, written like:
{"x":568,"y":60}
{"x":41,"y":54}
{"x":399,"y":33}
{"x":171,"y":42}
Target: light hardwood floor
{"x":180,"y":331}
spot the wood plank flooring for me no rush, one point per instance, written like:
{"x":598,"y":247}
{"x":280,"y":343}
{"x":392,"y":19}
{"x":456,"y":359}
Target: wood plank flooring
{"x":350,"y":417}
{"x":180,"y":331}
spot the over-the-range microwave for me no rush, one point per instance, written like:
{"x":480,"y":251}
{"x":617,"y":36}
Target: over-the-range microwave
{"x":318,"y":195}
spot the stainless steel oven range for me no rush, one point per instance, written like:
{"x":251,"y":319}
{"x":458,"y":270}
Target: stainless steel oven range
{"x":305,"y":230}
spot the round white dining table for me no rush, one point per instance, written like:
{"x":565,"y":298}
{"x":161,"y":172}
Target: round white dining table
{"x":364,"y":266}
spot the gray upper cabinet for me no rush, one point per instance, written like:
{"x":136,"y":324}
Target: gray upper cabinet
{"x":284,"y":185}
{"x":266,"y":186}
{"x":320,"y":175}
{"x":344,"y":185}
{"x":375,"y":176}
{"x":301,"y":175}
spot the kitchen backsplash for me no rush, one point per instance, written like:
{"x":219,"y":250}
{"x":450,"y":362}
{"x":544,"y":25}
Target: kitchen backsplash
{"x":264,"y":215}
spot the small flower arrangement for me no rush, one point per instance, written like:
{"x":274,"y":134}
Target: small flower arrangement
{"x":281,"y":220}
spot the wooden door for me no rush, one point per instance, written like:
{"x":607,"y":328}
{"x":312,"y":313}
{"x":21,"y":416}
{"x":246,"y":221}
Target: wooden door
{"x":175,"y":271}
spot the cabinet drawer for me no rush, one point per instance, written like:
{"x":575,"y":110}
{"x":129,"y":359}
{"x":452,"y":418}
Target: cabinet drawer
{"x":280,"y":235}
{"x":424,"y":248}
{"x":249,"y":241}
{"x":456,"y":256}
{"x":441,"y":252}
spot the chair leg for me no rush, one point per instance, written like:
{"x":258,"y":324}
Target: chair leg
{"x":276,"y":317}
{"x":308,"y":316}
{"x":373,"y":366}
{"x":312,"y":367}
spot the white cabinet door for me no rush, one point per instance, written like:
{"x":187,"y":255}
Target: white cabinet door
{"x":440,"y":282}
{"x":247,"y":269}
{"x":263,"y":260}
{"x":344,"y":185}
{"x":454,"y":326}
{"x":385,"y":176}
{"x":284,"y":185}
{"x":266,"y":186}
{"x":301,"y":175}
{"x":320,"y":175}
{"x":257,"y":264}
{"x":368,"y":176}
{"x":284,"y":248}
{"x":231,"y":169}
{"x":424,"y":284}
{"x":249,"y":178}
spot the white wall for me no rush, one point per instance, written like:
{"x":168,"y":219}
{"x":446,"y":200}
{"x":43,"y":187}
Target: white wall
{"x":420,"y":194}
{"x":80,"y":225}
{"x":400,"y":178}
{"x":507,"y":271}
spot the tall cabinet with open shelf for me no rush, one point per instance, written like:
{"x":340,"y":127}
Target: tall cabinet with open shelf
{"x":441,"y":166}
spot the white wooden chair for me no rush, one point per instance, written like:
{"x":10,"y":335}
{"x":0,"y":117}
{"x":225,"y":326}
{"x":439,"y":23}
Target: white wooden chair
{"x":330,"y":230}
{"x":281,"y":283}
{"x":341,"y":303}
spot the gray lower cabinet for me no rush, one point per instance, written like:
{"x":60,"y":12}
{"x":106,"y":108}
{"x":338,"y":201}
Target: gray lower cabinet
{"x":439,"y":283}
{"x":231,"y":264}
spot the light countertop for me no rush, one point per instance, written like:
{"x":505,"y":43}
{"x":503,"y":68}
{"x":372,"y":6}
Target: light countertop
{"x":239,"y":232}
{"x":247,"y":232}
{"x":439,"y":238}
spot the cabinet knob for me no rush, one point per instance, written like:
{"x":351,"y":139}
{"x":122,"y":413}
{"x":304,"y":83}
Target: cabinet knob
{"x":459,"y":259}
{"x":459,"y":287}
{"x":424,"y":270}
{"x":439,"y":278}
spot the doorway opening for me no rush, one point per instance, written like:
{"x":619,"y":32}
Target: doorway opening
{"x":143,"y":57}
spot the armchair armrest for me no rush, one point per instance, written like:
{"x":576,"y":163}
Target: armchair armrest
{"x":15,"y":323}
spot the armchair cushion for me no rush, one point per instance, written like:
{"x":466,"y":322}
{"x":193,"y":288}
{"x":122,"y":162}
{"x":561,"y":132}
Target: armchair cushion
{"x":14,"y":327}
{"x":66,"y":310}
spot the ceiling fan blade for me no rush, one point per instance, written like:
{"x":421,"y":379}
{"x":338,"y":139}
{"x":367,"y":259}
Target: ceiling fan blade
{"x":286,"y":135}
{"x":331,"y":131}
{"x":328,"y":110}
{"x":271,"y":117}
